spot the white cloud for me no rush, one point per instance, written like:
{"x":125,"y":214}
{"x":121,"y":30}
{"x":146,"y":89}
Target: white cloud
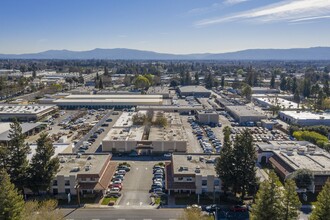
{"x":233,"y":2}
{"x":214,"y":7}
{"x":284,"y":11}
{"x":311,"y":18}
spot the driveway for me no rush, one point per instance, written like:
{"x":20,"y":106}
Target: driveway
{"x":136,"y":184}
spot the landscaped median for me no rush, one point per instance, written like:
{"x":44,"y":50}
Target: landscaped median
{"x":109,"y":201}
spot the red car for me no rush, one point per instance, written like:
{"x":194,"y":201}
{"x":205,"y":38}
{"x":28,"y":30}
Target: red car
{"x":116,"y":185}
{"x":238,"y":208}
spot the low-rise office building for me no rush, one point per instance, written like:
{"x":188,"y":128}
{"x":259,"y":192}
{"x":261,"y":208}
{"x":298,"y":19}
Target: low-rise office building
{"x":244,"y":114}
{"x":87,"y":174}
{"x":289,"y":156}
{"x":193,"y":173}
{"x":126,"y":137}
{"x":196,"y":91}
{"x":207,"y":117}
{"x":25,"y":112}
{"x":305,"y":118}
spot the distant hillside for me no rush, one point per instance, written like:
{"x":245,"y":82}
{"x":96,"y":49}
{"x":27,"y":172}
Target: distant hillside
{"x":314,"y":53}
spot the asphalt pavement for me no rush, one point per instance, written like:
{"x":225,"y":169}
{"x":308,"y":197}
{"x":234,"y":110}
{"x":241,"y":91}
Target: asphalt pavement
{"x":120,"y":214}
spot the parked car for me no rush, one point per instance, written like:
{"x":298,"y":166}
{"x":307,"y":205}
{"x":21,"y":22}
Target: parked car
{"x":121,"y":172}
{"x":238,"y":208}
{"x":168,"y":155}
{"x":123,"y":167}
{"x":117,"y":185}
{"x":212,"y":208}
{"x":113,"y":194}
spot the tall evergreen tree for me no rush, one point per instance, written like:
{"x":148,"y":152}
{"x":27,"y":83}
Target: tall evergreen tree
{"x":222,"y":82}
{"x":224,"y":163}
{"x":11,"y":202}
{"x":322,"y":206}
{"x":106,"y":71}
{"x":291,"y":203}
{"x":196,"y":78}
{"x":306,"y":88}
{"x":17,"y":162}
{"x":294,"y":85}
{"x":326,"y":88}
{"x":283,"y":83}
{"x":244,"y":164}
{"x":268,"y":204}
{"x":101,"y":84}
{"x":43,"y":167}
{"x":272,"y":82}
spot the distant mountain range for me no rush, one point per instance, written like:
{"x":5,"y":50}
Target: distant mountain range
{"x":313,"y":53}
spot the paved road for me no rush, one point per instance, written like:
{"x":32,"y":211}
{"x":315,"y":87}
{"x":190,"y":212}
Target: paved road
{"x":137,"y":184}
{"x":120,"y":214}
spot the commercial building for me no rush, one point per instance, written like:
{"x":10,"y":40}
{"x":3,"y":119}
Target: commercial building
{"x":89,"y":174}
{"x":275,"y":101}
{"x":289,"y":156}
{"x":25,"y":112}
{"x":184,"y":109}
{"x":27,"y":129}
{"x":305,"y":118}
{"x":126,"y":137}
{"x":193,"y":173}
{"x":196,"y":91}
{"x":264,"y":90}
{"x":107,"y":101}
{"x":160,"y":90}
{"x":244,"y":114}
{"x":207,"y":117}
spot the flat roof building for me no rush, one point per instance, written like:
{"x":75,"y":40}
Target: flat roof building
{"x":274,"y":101}
{"x":25,"y":112}
{"x":305,"y":118}
{"x":192,"y":173}
{"x":244,"y":114}
{"x":126,"y":137}
{"x":289,"y":156}
{"x":207,"y":117}
{"x":27,"y":129}
{"x":92,"y":172}
{"x":196,"y":91}
{"x":108,"y":101}
{"x":264,"y":90}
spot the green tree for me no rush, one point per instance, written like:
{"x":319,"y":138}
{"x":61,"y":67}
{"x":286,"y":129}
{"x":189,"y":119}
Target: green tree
{"x":46,"y":209}
{"x":296,"y":96}
{"x":43,"y":167}
{"x":290,"y":201}
{"x":209,"y":80}
{"x":106,"y":71}
{"x":247,"y":92}
{"x":322,"y":206}
{"x":244,"y":164}
{"x":272,"y":82}
{"x":268,"y":202}
{"x":11,"y":202}
{"x":141,"y":82}
{"x":283,"y":83}
{"x":196,"y":78}
{"x":222,"y":82}
{"x":294,"y":85}
{"x":224,"y":163}
{"x":101,"y":84}
{"x":17,"y":163}
{"x":326,"y":88}
{"x":306,"y":88}
{"x":303,"y":178}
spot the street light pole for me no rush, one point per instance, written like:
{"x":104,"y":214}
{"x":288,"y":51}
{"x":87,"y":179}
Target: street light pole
{"x":77,"y":186}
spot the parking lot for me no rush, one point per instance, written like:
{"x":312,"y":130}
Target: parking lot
{"x":137,"y":183}
{"x":193,"y":145}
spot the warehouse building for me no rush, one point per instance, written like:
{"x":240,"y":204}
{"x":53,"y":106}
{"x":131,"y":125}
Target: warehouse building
{"x":244,"y":114}
{"x":193,"y":173}
{"x":90,"y":174}
{"x":27,"y":129}
{"x":207,"y":117}
{"x":107,"y":101}
{"x":305,"y":118}
{"x":125,"y":137}
{"x":25,"y":112}
{"x":264,"y":90}
{"x":196,"y":91}
{"x":274,"y":101}
{"x":289,"y":156}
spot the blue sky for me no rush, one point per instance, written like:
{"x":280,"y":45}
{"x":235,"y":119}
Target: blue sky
{"x":173,"y":26}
